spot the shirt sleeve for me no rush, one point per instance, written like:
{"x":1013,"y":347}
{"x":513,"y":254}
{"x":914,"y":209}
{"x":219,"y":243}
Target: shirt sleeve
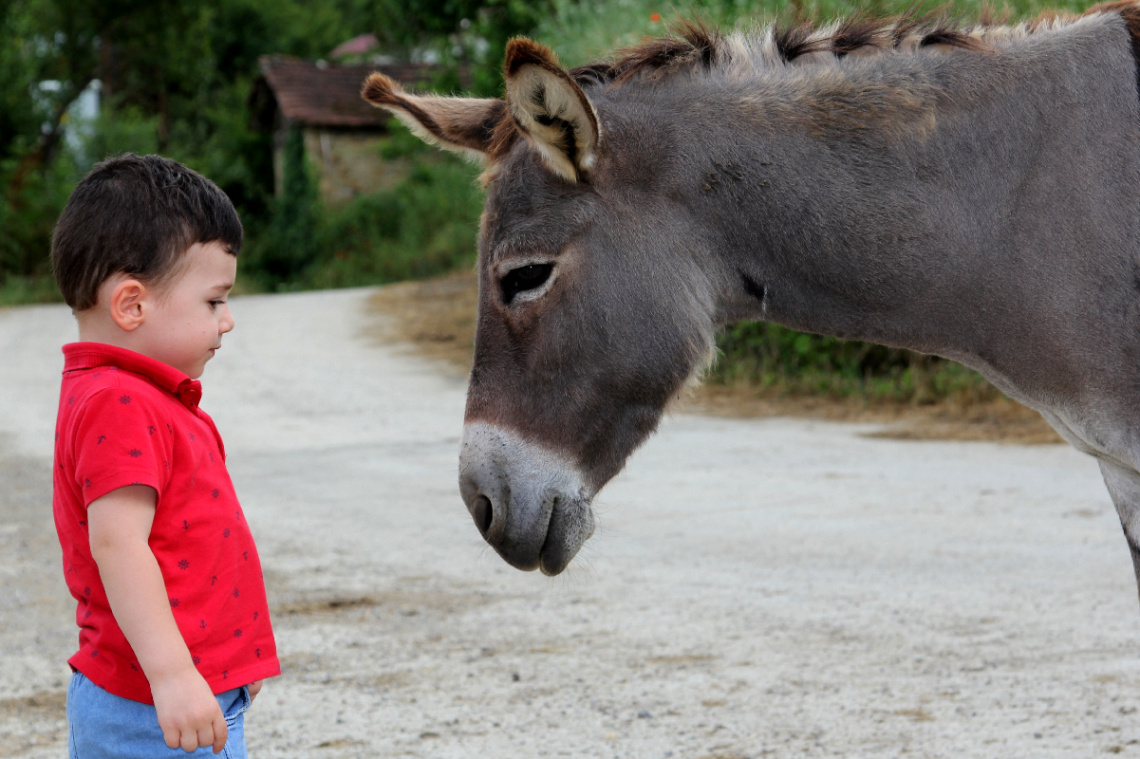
{"x":121,"y":439}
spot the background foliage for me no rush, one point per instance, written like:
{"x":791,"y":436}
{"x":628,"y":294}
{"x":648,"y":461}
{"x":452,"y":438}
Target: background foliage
{"x":176,"y":78}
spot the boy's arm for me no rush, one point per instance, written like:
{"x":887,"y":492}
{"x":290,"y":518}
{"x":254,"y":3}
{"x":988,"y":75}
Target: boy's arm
{"x":119,"y":525}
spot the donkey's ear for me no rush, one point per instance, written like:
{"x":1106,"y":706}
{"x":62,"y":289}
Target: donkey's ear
{"x":551,"y":109}
{"x":465,"y":125}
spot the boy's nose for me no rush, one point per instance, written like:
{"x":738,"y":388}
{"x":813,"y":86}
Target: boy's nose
{"x":227,"y":322}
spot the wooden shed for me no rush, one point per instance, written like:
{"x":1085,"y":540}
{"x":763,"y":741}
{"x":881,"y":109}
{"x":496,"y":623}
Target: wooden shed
{"x":342,"y":132}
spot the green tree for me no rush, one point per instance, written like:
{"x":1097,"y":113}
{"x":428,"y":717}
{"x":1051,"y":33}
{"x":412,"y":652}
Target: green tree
{"x":289,"y":242}
{"x":471,"y":33}
{"x":175,"y":79}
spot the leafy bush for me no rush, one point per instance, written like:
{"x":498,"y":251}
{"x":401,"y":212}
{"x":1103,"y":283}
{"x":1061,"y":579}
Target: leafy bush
{"x":27,"y":217}
{"x":777,"y":360}
{"x":425,"y":225}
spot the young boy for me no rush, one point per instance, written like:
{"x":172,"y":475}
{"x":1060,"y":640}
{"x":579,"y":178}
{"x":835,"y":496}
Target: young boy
{"x":174,"y":632}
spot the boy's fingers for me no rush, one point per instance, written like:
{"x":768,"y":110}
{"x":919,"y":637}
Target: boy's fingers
{"x":191,"y":740}
{"x":171,"y":737}
{"x":221,"y":733}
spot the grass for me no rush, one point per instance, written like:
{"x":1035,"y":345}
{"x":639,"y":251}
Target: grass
{"x":778,"y":362}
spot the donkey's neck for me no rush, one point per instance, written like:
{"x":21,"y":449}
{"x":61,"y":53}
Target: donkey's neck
{"x":936,"y":202}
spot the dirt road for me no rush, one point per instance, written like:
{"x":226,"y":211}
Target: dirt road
{"x":764,"y":588}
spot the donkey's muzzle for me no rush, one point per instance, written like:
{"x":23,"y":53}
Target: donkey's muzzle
{"x":528,"y":503}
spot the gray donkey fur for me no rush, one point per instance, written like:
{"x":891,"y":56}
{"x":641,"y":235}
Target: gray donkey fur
{"x":972,"y":194}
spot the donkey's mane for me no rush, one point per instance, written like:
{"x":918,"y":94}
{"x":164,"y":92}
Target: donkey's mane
{"x":696,"y":47}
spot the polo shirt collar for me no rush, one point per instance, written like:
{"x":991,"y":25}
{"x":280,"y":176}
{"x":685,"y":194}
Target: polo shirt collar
{"x":79,"y":356}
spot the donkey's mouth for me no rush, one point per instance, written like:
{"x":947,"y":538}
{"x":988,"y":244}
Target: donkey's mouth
{"x":571,"y":525}
{"x":548,"y":544}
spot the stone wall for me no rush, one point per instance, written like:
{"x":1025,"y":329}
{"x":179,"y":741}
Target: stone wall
{"x":347,"y":164}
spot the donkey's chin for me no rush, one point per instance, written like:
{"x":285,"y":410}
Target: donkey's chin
{"x":571,"y":525}
{"x":548,"y":543}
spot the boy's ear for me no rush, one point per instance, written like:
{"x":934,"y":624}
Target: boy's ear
{"x":126,"y":302}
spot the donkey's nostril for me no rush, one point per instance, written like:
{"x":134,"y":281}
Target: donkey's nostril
{"x":483,"y":514}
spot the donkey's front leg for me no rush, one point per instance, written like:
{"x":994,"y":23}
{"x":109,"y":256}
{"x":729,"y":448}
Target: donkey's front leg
{"x":1124,"y":487}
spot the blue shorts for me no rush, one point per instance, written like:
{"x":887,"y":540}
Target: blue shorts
{"x":105,"y":726}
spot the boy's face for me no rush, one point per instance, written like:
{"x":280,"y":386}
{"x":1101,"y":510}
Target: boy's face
{"x":187,"y":317}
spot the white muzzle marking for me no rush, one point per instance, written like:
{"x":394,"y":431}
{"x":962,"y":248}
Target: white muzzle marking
{"x":530,"y":503}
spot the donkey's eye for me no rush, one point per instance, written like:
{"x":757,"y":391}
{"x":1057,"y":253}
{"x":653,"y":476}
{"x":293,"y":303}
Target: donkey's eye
{"x":524,"y":278}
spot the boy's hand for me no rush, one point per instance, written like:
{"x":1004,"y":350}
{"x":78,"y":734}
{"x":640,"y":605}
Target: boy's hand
{"x":254,"y":689}
{"x":188,"y":713}
{"x":119,"y":525}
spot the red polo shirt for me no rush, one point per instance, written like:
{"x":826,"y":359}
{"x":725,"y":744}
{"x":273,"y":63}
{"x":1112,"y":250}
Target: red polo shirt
{"x":126,"y":419}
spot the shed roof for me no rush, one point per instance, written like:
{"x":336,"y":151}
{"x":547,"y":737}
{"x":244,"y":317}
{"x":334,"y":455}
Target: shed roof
{"x":329,"y":96}
{"x":360,"y":45}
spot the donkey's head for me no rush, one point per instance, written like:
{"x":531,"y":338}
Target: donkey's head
{"x":592,"y":310}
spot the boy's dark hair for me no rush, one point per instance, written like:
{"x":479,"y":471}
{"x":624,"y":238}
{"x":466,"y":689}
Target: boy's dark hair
{"x":137,"y":215}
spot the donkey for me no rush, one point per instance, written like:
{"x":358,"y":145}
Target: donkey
{"x":972,"y":193}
